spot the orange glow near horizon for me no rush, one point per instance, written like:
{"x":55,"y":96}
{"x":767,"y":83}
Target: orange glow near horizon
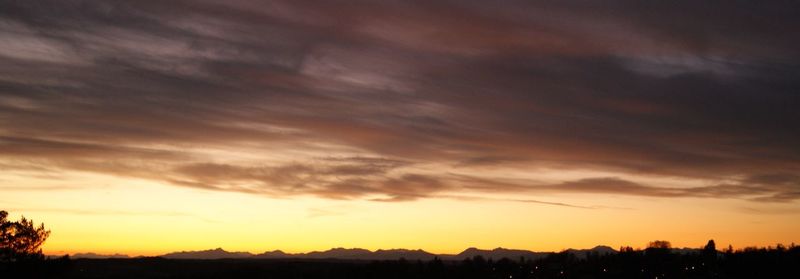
{"x":147,"y":127}
{"x":139,"y":217}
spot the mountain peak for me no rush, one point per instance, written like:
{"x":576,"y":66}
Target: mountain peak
{"x":470,"y":249}
{"x":383,"y":254}
{"x":98,"y":256}
{"x":603,"y":248}
{"x":217,"y":253}
{"x":498,"y":253}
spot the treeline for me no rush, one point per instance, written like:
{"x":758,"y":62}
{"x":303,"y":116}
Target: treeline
{"x":652,"y":262}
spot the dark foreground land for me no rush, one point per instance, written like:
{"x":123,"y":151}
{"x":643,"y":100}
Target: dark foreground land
{"x":650,"y":263}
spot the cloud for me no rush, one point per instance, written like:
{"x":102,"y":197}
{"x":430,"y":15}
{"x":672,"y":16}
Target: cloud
{"x":742,"y":189}
{"x":358,"y":178}
{"x":32,"y":147}
{"x":611,"y":185}
{"x":252,"y":97}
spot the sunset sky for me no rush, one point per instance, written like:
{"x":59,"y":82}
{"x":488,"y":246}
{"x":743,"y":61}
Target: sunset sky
{"x":145,"y":127}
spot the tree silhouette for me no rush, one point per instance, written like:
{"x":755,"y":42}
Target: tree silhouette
{"x":659,"y":244}
{"x":20,"y":240}
{"x":710,"y":247}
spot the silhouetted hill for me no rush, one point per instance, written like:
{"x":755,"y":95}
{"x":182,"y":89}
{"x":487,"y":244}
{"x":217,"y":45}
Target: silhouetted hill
{"x":393,"y":254}
{"x":277,"y":254}
{"x":98,"y":256}
{"x":339,"y":253}
{"x":207,"y":254}
{"x":390,"y":254}
{"x":497,"y":253}
{"x":600,"y":250}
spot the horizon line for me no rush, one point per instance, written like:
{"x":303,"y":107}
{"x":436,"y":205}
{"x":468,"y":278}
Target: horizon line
{"x":254,"y":252}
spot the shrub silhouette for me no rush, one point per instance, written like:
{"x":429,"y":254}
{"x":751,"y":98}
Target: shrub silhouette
{"x":20,"y":240}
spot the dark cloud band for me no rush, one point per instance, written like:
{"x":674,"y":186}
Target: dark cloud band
{"x":680,"y":89}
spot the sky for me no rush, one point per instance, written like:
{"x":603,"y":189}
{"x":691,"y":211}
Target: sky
{"x":144,"y":127}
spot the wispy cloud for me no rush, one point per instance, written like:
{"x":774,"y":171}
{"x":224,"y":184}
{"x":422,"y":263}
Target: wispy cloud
{"x":253,"y":97}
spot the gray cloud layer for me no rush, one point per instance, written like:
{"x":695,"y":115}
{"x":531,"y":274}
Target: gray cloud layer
{"x":696,"y":90}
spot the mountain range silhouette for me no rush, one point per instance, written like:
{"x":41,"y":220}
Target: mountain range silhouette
{"x":364,"y":254}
